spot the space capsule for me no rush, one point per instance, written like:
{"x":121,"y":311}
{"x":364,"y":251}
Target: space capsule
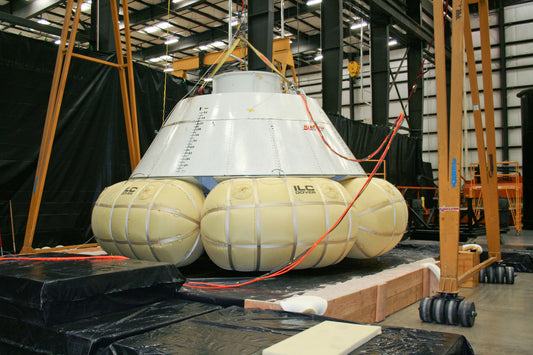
{"x":243,"y":174}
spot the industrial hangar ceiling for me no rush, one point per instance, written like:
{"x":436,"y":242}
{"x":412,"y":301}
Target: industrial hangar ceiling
{"x":162,"y":31}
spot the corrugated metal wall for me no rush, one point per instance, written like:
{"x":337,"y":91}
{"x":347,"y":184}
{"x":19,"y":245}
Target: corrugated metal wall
{"x":519,"y":63}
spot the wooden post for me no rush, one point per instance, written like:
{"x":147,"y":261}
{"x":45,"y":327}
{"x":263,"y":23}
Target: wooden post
{"x":63,"y":59}
{"x":450,"y":177}
{"x":490,"y":187}
{"x":449,"y":137}
{"x":52,"y":115}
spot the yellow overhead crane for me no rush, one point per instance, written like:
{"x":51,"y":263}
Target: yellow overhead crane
{"x":447,"y":307}
{"x":282,"y":58}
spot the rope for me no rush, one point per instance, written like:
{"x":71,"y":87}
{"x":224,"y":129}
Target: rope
{"x":166,"y":63}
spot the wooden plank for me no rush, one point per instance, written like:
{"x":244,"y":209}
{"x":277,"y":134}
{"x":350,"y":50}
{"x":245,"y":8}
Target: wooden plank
{"x":371,"y":298}
{"x":450,"y":183}
{"x":262,"y":305}
{"x":468,"y":260}
{"x":381,"y":302}
{"x":404,"y":291}
{"x":490,"y":188}
{"x":425,"y":283}
{"x":356,"y":307}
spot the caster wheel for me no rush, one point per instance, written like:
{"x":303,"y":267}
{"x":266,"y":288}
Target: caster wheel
{"x":467,"y":313}
{"x":450,"y":312}
{"x":424,"y":309}
{"x":482,"y":275}
{"x":438,"y":310}
{"x":509,"y":274}
{"x":500,"y":270}
{"x":491,"y":277}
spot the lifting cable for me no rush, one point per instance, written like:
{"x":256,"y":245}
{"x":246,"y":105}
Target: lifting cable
{"x":166,"y":63}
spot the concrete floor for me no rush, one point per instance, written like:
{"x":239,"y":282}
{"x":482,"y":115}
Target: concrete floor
{"x":505,"y":312}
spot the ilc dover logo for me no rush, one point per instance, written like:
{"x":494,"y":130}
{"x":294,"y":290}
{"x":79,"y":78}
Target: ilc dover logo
{"x":129,"y":191}
{"x":307,"y":189}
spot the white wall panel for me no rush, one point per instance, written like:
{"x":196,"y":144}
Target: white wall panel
{"x":514,"y":117}
{"x":518,"y":78}
{"x":519,"y":12}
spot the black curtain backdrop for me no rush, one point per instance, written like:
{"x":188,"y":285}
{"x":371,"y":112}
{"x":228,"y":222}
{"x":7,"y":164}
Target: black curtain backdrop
{"x":403,"y":166}
{"x":90,"y":148}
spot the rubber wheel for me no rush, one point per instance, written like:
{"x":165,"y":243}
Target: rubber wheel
{"x":500,"y":271}
{"x":424,"y":309}
{"x":438,"y":310}
{"x":509,"y":274}
{"x":450,"y":312}
{"x":491,"y":277}
{"x":467,"y":313}
{"x":482,"y":275}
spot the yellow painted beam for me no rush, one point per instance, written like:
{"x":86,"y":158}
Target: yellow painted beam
{"x":449,"y":142}
{"x":282,"y":56}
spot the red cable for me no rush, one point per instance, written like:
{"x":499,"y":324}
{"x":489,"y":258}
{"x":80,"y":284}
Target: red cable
{"x":387,"y":140}
{"x":58,"y":258}
{"x":333,"y":150}
{"x":292,"y":265}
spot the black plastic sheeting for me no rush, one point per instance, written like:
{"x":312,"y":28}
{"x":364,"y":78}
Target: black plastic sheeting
{"x":91,"y":335}
{"x":522,"y":261}
{"x":235,"y":330}
{"x":90,"y":150}
{"x":51,"y":292}
{"x":297,"y":281}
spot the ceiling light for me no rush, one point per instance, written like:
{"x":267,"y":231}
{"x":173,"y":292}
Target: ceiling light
{"x":156,"y":59}
{"x":203,"y":48}
{"x":319,"y":55}
{"x":393,"y":42}
{"x":164,"y":25}
{"x":43,"y":21}
{"x":176,"y":1}
{"x":151,"y":29}
{"x":165,"y":57}
{"x":168,"y":70}
{"x":207,"y":80}
{"x":86,"y":6}
{"x":359,"y":25}
{"x":218,"y":44}
{"x":234,"y":23}
{"x":58,"y":41}
{"x":171,"y":40}
{"x":313,"y":2}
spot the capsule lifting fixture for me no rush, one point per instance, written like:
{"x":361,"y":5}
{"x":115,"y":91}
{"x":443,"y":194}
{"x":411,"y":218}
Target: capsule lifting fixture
{"x":63,"y":60}
{"x":447,"y":307}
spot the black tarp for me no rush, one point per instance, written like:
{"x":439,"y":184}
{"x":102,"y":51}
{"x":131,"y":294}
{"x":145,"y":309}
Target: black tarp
{"x":403,"y":166}
{"x":90,"y":335}
{"x":235,"y":330}
{"x":90,"y":148}
{"x":67,"y":287}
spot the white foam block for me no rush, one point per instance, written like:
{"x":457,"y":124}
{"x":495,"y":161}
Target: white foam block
{"x":328,"y":337}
